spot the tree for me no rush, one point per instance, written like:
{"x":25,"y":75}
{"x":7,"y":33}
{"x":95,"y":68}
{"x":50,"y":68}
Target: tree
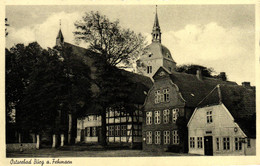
{"x":43,"y":84}
{"x":59,"y":82}
{"x":113,"y":47}
{"x":19,"y":62}
{"x":192,"y":69}
{"x":114,"y":44}
{"x":6,"y":25}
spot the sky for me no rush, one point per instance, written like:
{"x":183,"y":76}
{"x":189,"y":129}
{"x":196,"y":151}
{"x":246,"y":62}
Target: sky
{"x":218,"y":36}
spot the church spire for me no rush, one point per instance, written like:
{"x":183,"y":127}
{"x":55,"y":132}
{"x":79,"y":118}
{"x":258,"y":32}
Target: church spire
{"x":59,"y":38}
{"x":156,"y":33}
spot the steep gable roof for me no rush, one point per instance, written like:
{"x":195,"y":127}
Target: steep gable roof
{"x":239,"y":101}
{"x":194,"y":89}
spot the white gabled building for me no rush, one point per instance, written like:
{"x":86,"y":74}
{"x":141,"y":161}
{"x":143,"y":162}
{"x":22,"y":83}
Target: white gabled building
{"x":89,"y":129}
{"x":224,"y":123}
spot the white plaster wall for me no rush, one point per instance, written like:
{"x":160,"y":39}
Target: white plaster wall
{"x":89,"y":122}
{"x":155,"y":63}
{"x":251,"y":150}
{"x":91,"y":139}
{"x":222,"y":126}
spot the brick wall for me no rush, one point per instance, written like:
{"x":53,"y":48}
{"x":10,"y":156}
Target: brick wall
{"x":174,"y":102}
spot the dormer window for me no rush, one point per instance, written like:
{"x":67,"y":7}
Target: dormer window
{"x":168,"y":55}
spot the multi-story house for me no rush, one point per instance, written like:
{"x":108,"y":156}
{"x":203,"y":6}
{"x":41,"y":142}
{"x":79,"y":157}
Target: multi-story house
{"x":224,"y":123}
{"x":168,"y":107}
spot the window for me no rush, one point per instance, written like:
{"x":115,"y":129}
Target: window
{"x":94,"y":131}
{"x":238,"y":144}
{"x":117,"y":113}
{"x":192,"y":142}
{"x":166,"y":135}
{"x":217,"y":143}
{"x":162,"y":97}
{"x":148,"y":118}
{"x":157,"y":117}
{"x":226,"y":143}
{"x":166,"y":95}
{"x":175,"y":114}
{"x":88,"y":131}
{"x":199,"y":142}
{"x":123,"y":130}
{"x":248,"y":143}
{"x":157,"y":137}
{"x":149,"y":69}
{"x":111,"y":130}
{"x":157,"y":98}
{"x":166,"y":116}
{"x":149,"y":137}
{"x":117,"y":130}
{"x":94,"y":117}
{"x":175,"y":137}
{"x":209,"y":116}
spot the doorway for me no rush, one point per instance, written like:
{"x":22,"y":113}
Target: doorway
{"x":208,"y":146}
{"x":82,"y":134}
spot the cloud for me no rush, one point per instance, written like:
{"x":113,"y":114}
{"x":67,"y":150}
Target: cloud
{"x":211,"y":45}
{"x":45,"y":33}
{"x":207,"y":42}
{"x":214,"y":46}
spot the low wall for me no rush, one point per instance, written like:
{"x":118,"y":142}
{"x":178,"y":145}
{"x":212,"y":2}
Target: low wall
{"x":17,"y":146}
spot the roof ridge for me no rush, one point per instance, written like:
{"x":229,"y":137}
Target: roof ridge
{"x":77,"y":46}
{"x":208,"y":94}
{"x":219,"y":93}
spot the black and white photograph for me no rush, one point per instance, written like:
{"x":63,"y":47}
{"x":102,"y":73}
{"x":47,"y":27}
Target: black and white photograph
{"x":121,"y":80}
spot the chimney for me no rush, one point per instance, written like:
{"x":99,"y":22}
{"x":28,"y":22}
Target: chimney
{"x":246,"y":84}
{"x":199,"y":75}
{"x":222,"y":76}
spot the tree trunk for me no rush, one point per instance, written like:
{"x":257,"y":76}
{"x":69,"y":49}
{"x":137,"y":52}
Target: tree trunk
{"x":54,"y":140}
{"x":62,"y":140}
{"x":19,"y":138}
{"x":38,"y":141}
{"x":103,"y":128}
{"x":70,"y":126}
{"x":33,"y":138}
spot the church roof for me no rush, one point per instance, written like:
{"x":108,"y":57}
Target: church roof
{"x":156,"y":25}
{"x":60,"y":36}
{"x":141,"y":82}
{"x":240,"y":102}
{"x":156,"y":50}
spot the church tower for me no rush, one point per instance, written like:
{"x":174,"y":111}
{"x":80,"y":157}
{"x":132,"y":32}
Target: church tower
{"x":59,"y":38}
{"x":156,"y":55}
{"x":156,"y":32}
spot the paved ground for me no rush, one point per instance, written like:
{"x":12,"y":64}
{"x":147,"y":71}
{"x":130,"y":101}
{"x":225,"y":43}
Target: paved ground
{"x":76,"y":151}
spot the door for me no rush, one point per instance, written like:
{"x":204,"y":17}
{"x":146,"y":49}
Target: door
{"x":99,"y":133}
{"x":82,"y":135}
{"x":208,"y":146}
